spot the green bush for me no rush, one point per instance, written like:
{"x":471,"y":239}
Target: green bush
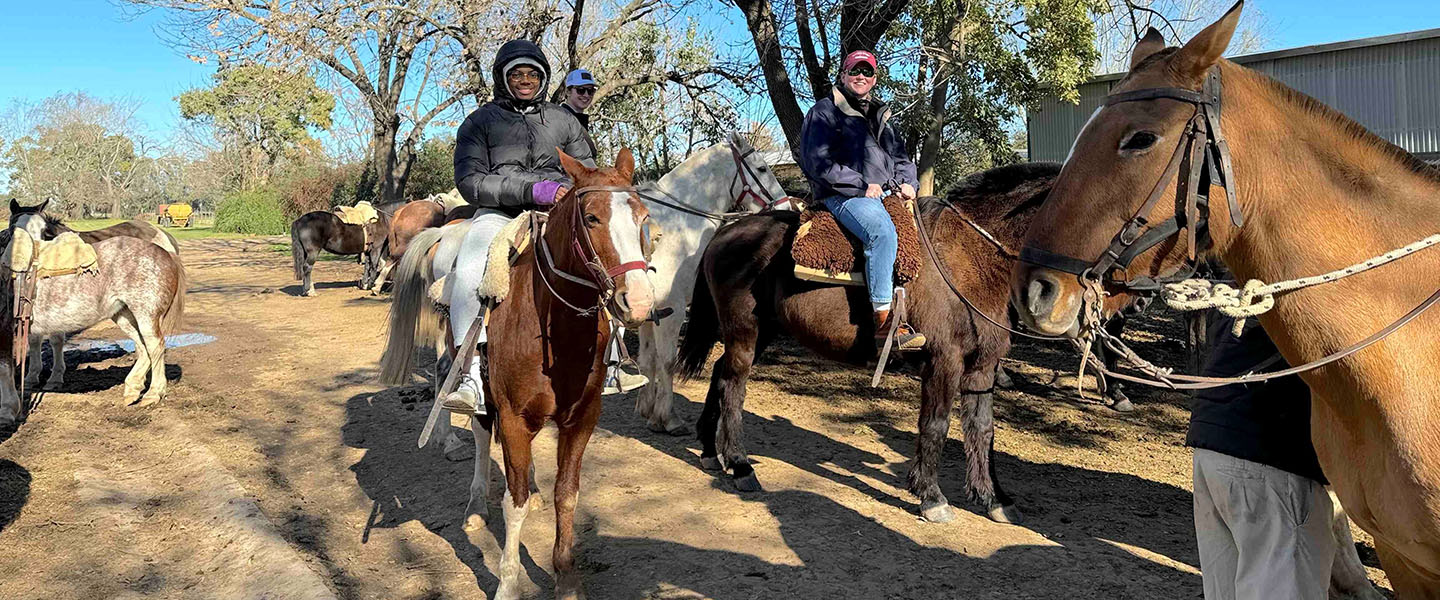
{"x":256,"y":212}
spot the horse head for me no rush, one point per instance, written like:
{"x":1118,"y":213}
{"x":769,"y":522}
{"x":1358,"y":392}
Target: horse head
{"x":610,"y":225}
{"x":1122,"y":175}
{"x":754,"y":185}
{"x":31,"y":218}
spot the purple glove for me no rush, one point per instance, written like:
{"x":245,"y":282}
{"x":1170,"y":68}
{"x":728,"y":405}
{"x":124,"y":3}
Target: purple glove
{"x":543,"y":192}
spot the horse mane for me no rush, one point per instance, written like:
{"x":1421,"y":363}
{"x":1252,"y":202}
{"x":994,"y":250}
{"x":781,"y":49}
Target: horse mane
{"x":53,"y":226}
{"x":1002,"y":199}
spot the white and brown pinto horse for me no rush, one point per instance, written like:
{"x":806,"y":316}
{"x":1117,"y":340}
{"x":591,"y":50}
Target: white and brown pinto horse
{"x":139,"y":286}
{"x":54,"y":226}
{"x":1315,"y":192}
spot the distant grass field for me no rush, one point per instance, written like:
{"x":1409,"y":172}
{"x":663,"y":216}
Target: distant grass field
{"x":200,"y":230}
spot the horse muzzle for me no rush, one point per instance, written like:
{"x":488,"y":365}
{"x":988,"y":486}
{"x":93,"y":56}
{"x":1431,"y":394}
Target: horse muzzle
{"x":1047,"y":301}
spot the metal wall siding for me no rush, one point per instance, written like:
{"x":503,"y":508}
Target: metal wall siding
{"x":1392,"y":89}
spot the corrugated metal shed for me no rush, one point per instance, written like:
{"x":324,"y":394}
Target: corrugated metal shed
{"x":1390,"y":84}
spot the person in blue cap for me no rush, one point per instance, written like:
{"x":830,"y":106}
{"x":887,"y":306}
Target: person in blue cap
{"x":580,"y":88}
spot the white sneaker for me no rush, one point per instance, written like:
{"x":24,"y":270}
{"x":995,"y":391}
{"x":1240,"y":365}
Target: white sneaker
{"x":465,"y":398}
{"x":621,"y":382}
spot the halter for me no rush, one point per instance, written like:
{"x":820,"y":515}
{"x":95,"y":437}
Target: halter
{"x":601,"y":278}
{"x":1205,"y":156}
{"x":744,"y":175}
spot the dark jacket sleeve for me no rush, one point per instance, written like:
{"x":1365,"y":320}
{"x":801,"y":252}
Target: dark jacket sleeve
{"x":474,"y":177}
{"x":580,"y":146}
{"x":816,"y":137}
{"x":905,"y":171}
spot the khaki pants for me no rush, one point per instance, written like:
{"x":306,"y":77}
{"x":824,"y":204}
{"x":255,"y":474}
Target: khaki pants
{"x":1263,"y":533}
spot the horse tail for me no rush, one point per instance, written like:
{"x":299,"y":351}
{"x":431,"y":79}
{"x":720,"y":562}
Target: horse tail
{"x":297,"y":249}
{"x":701,"y":333}
{"x":170,"y":322}
{"x":167,"y":241}
{"x":411,"y":322}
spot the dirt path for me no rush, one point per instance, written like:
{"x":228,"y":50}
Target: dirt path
{"x":277,"y":468}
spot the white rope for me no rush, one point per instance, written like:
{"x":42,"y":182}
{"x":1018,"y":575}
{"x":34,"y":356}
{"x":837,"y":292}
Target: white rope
{"x":1257,"y":297}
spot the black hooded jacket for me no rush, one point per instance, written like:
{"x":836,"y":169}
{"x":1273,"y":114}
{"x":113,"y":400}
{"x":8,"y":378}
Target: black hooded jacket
{"x":507,"y":145}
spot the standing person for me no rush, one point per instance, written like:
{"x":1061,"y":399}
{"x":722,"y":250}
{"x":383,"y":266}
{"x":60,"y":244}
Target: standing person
{"x":849,"y":152}
{"x":1262,"y":515}
{"x":505,"y":163}
{"x":580,"y":88}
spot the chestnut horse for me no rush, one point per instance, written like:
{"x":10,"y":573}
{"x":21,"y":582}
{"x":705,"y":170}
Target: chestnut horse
{"x":747,"y":292}
{"x":1315,"y":192}
{"x":405,"y":224}
{"x":547,"y":360}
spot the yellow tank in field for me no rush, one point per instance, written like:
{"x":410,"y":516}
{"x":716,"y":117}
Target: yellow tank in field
{"x":174,"y":215}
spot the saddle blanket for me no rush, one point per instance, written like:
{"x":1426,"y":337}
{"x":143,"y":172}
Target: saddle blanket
{"x":825,"y":252}
{"x":362,"y":213}
{"x":65,"y":255}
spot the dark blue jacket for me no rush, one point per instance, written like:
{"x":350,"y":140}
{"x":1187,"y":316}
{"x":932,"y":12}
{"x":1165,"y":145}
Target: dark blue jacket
{"x":1267,"y":423}
{"x":842,"y":151}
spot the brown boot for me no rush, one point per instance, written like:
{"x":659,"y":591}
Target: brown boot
{"x":906,"y":338}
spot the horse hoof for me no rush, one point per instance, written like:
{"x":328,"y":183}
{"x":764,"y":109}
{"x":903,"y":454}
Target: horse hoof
{"x":51,"y":386}
{"x":1004,"y":513}
{"x":567,"y":587}
{"x":710,"y":463}
{"x":128,"y":400}
{"x":940,"y":513}
{"x":1002,"y":379}
{"x":148,"y":400}
{"x":748,"y":483}
{"x":474,"y":523}
{"x":677,"y":430}
{"x":1122,"y":405}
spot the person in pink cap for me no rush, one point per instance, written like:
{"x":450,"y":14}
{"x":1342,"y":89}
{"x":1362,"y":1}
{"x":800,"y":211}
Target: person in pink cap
{"x":850,"y":153}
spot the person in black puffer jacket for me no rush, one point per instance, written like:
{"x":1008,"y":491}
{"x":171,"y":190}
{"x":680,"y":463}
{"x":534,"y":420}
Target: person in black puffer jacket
{"x":505,"y":163}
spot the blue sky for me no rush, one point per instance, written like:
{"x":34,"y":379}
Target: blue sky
{"x":55,"y":46}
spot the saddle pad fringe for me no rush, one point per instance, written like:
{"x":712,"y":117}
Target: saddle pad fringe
{"x":361,"y":214}
{"x":825,"y":252}
{"x":512,"y":240}
{"x":67,"y":254}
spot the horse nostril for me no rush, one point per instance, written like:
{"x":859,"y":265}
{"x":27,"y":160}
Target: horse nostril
{"x":1041,"y":294}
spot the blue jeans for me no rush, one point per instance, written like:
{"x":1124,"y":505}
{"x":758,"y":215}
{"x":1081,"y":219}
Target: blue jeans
{"x":866,"y":218}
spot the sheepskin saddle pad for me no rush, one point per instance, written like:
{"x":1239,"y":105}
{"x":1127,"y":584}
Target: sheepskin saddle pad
{"x":67,"y":254}
{"x":362,"y":213}
{"x":825,"y":252}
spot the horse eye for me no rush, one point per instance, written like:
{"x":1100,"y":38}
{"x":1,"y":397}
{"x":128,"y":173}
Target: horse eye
{"x":1140,"y":140}
{"x":592,"y":220}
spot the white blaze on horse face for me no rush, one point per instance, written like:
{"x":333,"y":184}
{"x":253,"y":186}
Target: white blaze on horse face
{"x":625,"y":236}
{"x":33,"y":224}
{"x":1081,"y":133}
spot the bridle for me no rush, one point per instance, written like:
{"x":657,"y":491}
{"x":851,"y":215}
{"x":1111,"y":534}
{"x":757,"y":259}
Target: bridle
{"x":1204,"y":157}
{"x":597,"y":277}
{"x":749,"y":181}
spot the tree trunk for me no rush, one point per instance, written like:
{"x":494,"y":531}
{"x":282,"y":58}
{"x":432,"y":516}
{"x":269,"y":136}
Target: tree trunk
{"x":819,"y":82}
{"x":760,"y":20}
{"x":954,"y":41}
{"x":383,"y":160}
{"x":864,"y":22}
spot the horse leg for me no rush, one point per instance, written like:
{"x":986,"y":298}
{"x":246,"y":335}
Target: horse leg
{"x":32,"y":365}
{"x":135,"y":380}
{"x":10,"y":405}
{"x":479,"y":505}
{"x":567,"y":489}
{"x":57,"y":364}
{"x":938,"y":379}
{"x":657,"y":348}
{"x":515,"y":439}
{"x":733,"y":371}
{"x":1114,"y":390}
{"x":977,"y":416}
{"x":1347,"y":575}
{"x":1409,"y":583}
{"x":155,"y":358}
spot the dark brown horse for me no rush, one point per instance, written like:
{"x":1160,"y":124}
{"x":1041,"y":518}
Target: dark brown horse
{"x":1313,"y":192}
{"x":746,"y":293}
{"x":323,"y":230}
{"x":546,"y":360}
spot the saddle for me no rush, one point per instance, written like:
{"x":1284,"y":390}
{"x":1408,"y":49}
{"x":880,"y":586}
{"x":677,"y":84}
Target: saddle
{"x":363,"y":213}
{"x":825,"y":252}
{"x":67,"y":254}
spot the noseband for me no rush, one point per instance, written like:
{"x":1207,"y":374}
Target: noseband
{"x":748,"y":181}
{"x":1203,"y":155}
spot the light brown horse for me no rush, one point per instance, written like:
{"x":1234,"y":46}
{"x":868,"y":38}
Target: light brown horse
{"x":1317,"y":192}
{"x":547,"y":362}
{"x":405,"y":224}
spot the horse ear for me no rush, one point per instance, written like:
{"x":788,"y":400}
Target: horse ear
{"x":1205,"y":49}
{"x":41,"y":208}
{"x":573,"y":167}
{"x":14,"y":206}
{"x":1152,"y":42}
{"x":625,"y":164}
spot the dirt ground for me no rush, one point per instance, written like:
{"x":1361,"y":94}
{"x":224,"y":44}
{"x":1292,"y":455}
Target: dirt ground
{"x":279,"y":468}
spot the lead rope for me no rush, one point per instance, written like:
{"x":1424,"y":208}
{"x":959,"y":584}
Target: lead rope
{"x":1257,"y":297}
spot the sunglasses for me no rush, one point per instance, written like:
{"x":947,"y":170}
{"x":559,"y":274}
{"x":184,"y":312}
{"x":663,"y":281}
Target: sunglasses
{"x":861,"y":71}
{"x":584,"y":91}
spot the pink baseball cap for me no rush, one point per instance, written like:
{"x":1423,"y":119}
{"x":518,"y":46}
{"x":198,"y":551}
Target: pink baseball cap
{"x":857,"y":57}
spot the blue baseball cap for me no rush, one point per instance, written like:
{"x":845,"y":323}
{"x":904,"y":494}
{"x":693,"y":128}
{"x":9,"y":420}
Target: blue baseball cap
{"x":580,"y":78}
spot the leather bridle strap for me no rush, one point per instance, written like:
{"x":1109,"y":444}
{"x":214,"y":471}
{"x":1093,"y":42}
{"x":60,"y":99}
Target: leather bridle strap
{"x":744,"y":175}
